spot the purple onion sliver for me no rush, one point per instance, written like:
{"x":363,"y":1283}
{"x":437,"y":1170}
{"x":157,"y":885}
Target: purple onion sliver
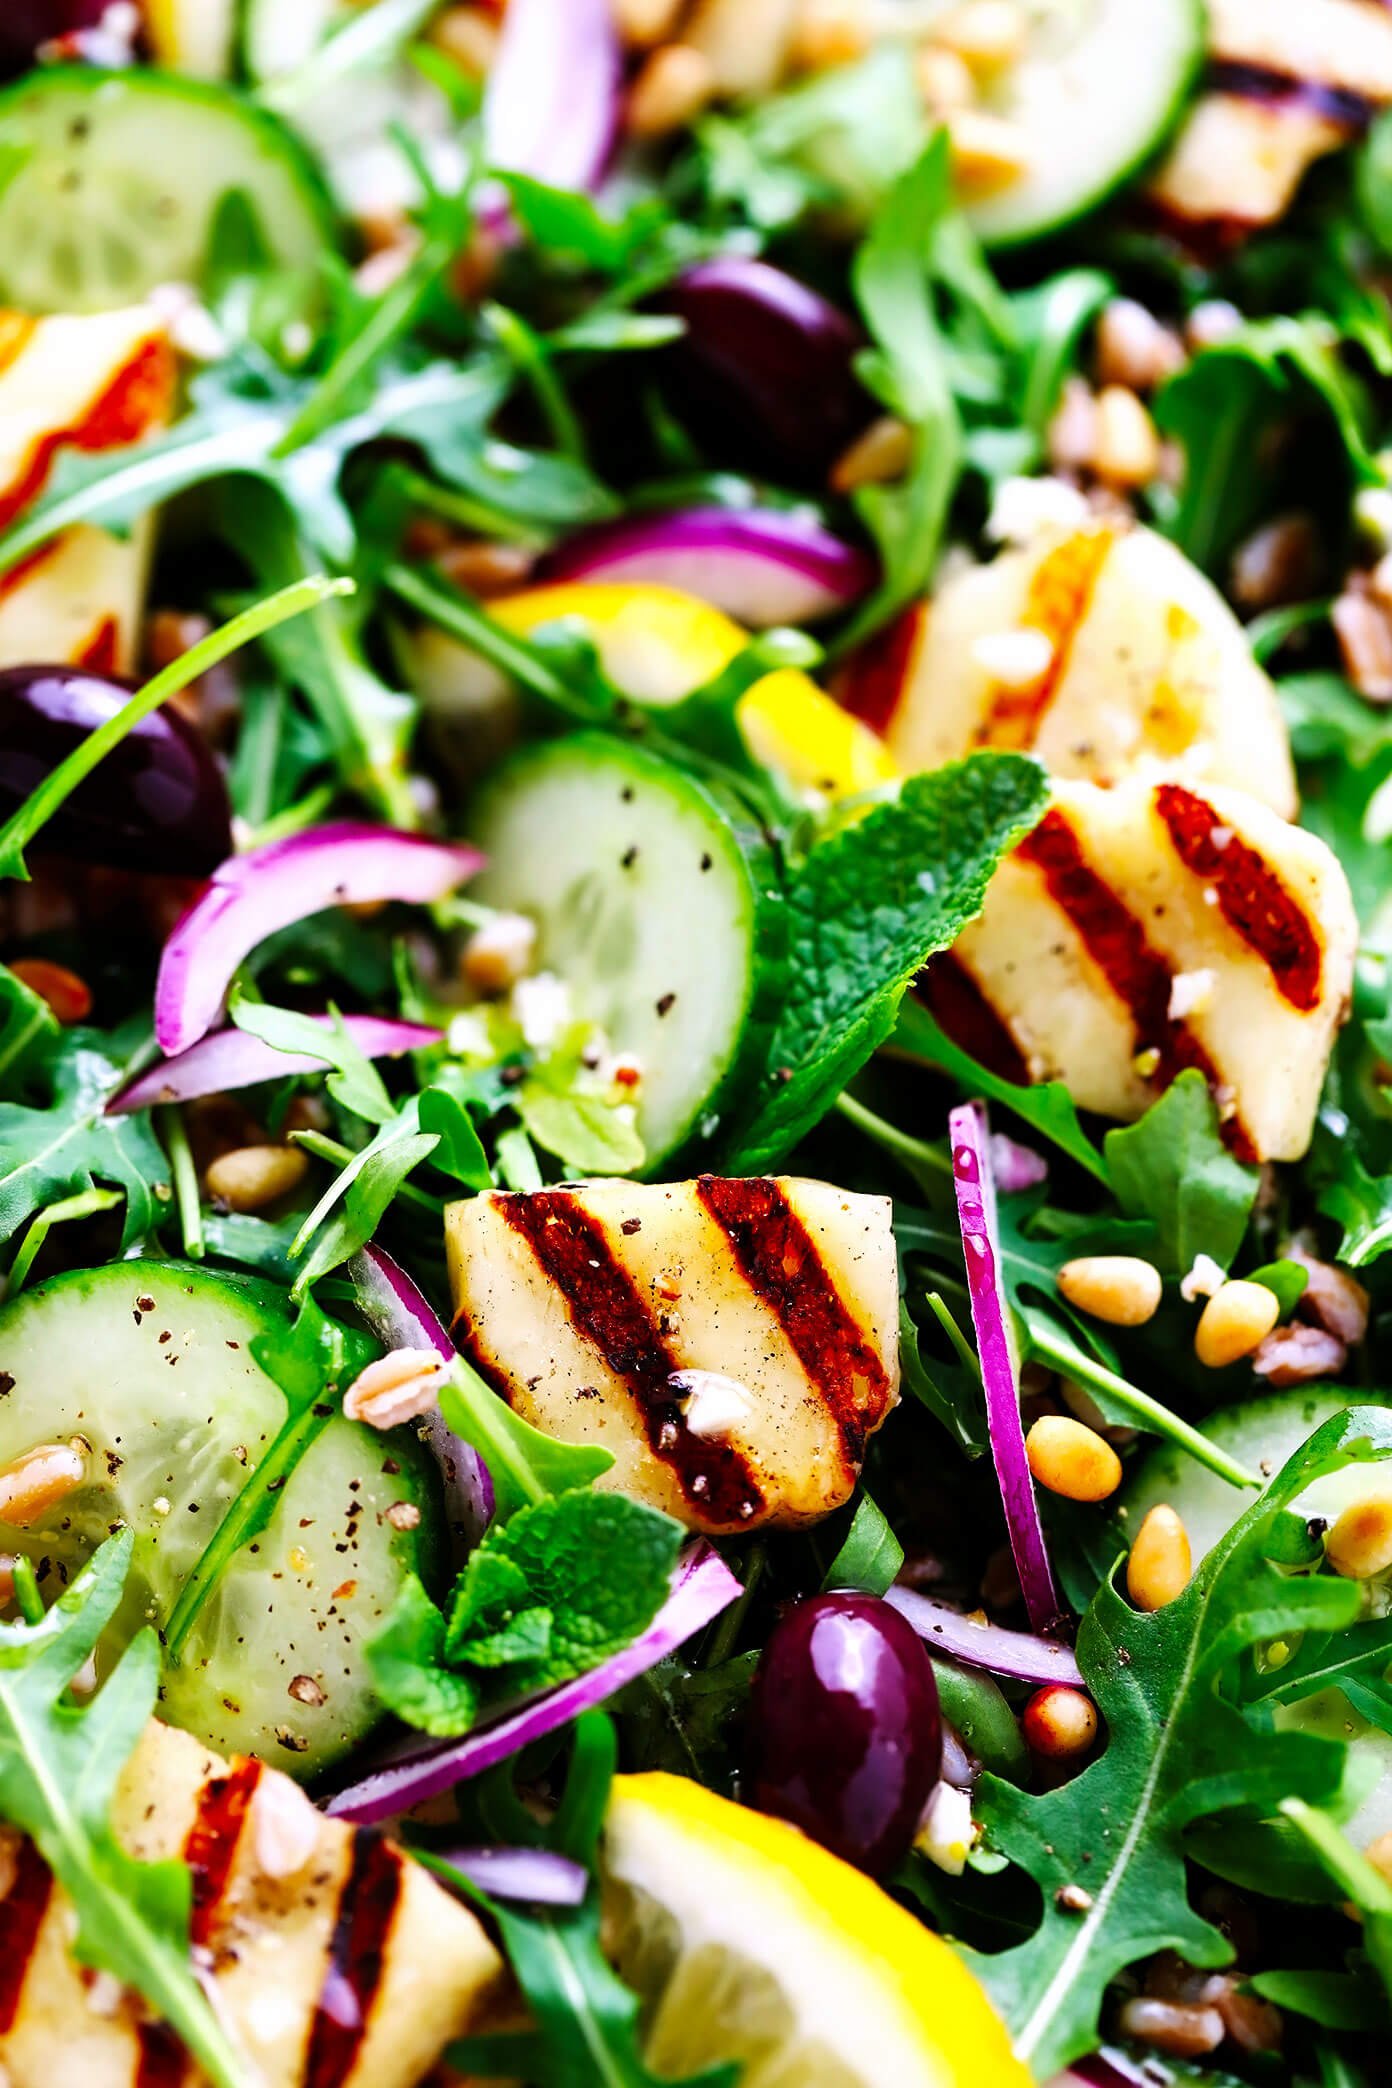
{"x":988,"y":1646}
{"x":552,"y":105}
{"x":974,"y":1181}
{"x":538,"y":1875}
{"x":249,"y":897}
{"x":763,"y":567}
{"x":1017,"y":1167}
{"x":420,"y":1769}
{"x":1108,"y":2068}
{"x":400,"y":1317}
{"x":231,"y":1058}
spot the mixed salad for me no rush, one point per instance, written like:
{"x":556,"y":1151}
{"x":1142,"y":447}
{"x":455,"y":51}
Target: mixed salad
{"x":695,"y":1043}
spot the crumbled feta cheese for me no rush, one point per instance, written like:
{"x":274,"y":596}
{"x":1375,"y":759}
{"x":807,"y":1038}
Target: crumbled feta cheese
{"x":1190,"y":993}
{"x":541,"y":1008}
{"x":1024,"y":506}
{"x":468,"y":1037}
{"x":500,"y":953}
{"x":1203,"y":1279}
{"x":1014,"y":658}
{"x":947,"y":1831}
{"x":191,"y":327}
{"x":713,"y":1404}
{"x":104,"y":1993}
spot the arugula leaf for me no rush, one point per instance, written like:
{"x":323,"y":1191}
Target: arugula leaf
{"x":525,"y":1465}
{"x":1356,"y":1879}
{"x":59,"y":1767}
{"x":353,"y":1080}
{"x":1359,"y":1201}
{"x":1107,"y":1848}
{"x":867,"y":908}
{"x":28,"y":1031}
{"x":870,"y":1554}
{"x":586,"y":1131}
{"x":376,"y":1175}
{"x":49,"y":1153}
{"x":459,"y":1149}
{"x":1173,"y":1168}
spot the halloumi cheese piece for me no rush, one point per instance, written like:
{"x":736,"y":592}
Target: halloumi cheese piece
{"x":92,"y":383}
{"x":1141,"y":930}
{"x":733,"y":1343}
{"x":336,"y":1961}
{"x":1102,"y":650}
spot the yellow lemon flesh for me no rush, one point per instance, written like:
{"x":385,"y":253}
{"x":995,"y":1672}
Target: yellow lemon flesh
{"x":750,"y":1943}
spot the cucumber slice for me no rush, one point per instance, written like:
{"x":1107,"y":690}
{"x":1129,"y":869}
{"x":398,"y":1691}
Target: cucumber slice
{"x":1099,"y":87}
{"x":647,"y":906}
{"x":150,"y":1363}
{"x":117,"y":179}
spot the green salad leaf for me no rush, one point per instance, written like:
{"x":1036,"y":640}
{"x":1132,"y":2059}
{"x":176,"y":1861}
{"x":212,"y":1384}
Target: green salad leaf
{"x":1173,"y":1168}
{"x":70,"y":1144}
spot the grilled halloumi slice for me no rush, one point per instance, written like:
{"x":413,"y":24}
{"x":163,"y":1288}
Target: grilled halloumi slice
{"x":91,"y":383}
{"x":1102,"y":649}
{"x":1144,"y":929}
{"x":1291,"y":81}
{"x":734,"y":1343}
{"x":336,"y":1961}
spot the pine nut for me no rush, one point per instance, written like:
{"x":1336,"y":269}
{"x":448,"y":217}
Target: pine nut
{"x":984,"y":34}
{"x":469,"y":37}
{"x":1364,"y":632}
{"x":500,"y":953}
{"x":672,"y":89}
{"x":645,"y":22}
{"x":398,"y":1387}
{"x":1119,"y":1288}
{"x":1128,"y":447}
{"x":482,"y":567}
{"x":1060,"y":1723}
{"x":1071,"y":1459}
{"x":69,"y":997}
{"x":1235,"y":1321}
{"x":1133,"y":348}
{"x":250,"y":1177}
{"x":1277,"y":563}
{"x":32,"y":1484}
{"x":1360,"y":1542}
{"x":1161,"y":1562}
{"x":944,"y":80}
{"x":830,"y":32}
{"x":876,"y":458}
{"x":1186,"y":2030}
{"x":1379,"y":1854}
{"x":987,"y":152}
{"x":1073,"y":429}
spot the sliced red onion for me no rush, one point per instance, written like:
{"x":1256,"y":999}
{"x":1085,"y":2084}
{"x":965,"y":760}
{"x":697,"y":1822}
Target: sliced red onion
{"x":552,"y":105}
{"x":538,"y":1875}
{"x":232,"y":1058}
{"x":974,"y":1179}
{"x":401,"y":1318}
{"x":249,"y":897}
{"x":763,"y":566}
{"x":1108,"y":2068}
{"x":1017,"y":1167}
{"x":989,"y":1646}
{"x":419,"y":1769}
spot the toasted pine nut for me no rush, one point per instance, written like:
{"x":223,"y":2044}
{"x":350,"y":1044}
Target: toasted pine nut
{"x":985,"y":34}
{"x":67,"y":995}
{"x":1161,"y":1562}
{"x":876,"y":458}
{"x":944,"y":79}
{"x":1185,"y":2029}
{"x":1235,"y":1321}
{"x":1379,"y":1854}
{"x":1364,"y":631}
{"x":486,"y":568}
{"x":1128,"y":448}
{"x":500,"y":953}
{"x":1133,"y":348}
{"x":672,"y":89}
{"x":1119,"y":1288}
{"x":249,"y":1177}
{"x":285,"y":1825}
{"x":830,"y":32}
{"x":1073,"y":429}
{"x":1059,"y":1722}
{"x":32,"y":1484}
{"x":987,"y":151}
{"x":645,"y":22}
{"x":1360,"y":1543}
{"x":398,"y":1387}
{"x":469,"y":37}
{"x":1071,"y":1459}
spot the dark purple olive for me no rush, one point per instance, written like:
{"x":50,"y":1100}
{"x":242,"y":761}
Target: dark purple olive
{"x":763,"y":375}
{"x":157,"y":802}
{"x":845,"y":1737}
{"x":25,"y":24}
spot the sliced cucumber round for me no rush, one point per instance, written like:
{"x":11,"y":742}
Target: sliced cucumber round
{"x":150,"y":1365}
{"x":647,"y":906}
{"x":117,"y":181}
{"x":1097,"y":90}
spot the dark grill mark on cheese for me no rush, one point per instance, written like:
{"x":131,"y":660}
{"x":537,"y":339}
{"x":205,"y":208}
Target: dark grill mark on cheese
{"x":778,"y":1258}
{"x":466,"y":1339}
{"x":605,"y":1307}
{"x":21,"y":1917}
{"x":162,"y":2058}
{"x":135,"y":398}
{"x":1060,"y":595}
{"x":1251,"y":897}
{"x":960,"y":1006}
{"x":357,"y":1960}
{"x":1279,"y":90}
{"x":1117,"y":945}
{"x":875,"y":679}
{"x":210,"y":1846}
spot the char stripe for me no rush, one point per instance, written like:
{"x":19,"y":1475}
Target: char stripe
{"x":607,"y":1310}
{"x":961,"y":1007}
{"x":22,"y":1913}
{"x":162,"y":2059}
{"x":1279,"y":90}
{"x":779,"y":1260}
{"x":1116,"y":942}
{"x":1251,"y":897}
{"x":210,"y":1846}
{"x":122,"y":412}
{"x":1060,"y":597}
{"x":357,"y":1960}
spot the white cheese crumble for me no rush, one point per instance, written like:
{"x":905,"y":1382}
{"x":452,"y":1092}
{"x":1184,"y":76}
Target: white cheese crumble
{"x":713,"y":1404}
{"x":1014,"y":658}
{"x":947,"y":1831}
{"x":1203,"y":1279}
{"x":1190,"y":993}
{"x":541,"y":1009}
{"x":1024,"y":506}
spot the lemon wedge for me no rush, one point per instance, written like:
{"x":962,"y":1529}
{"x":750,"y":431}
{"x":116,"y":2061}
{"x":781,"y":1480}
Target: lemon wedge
{"x":748,"y":1942}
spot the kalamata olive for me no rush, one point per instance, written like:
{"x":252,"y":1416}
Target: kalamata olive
{"x":845,"y":1737}
{"x":157,"y":802}
{"x":25,"y":24}
{"x":763,"y":375}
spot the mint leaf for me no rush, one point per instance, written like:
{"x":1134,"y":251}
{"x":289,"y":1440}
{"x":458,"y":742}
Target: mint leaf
{"x":57,"y":1151}
{"x":1173,"y":1168}
{"x":408,"y":1671}
{"x":868,"y":907}
{"x":59,"y":1766}
{"x":1179,"y":1749}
